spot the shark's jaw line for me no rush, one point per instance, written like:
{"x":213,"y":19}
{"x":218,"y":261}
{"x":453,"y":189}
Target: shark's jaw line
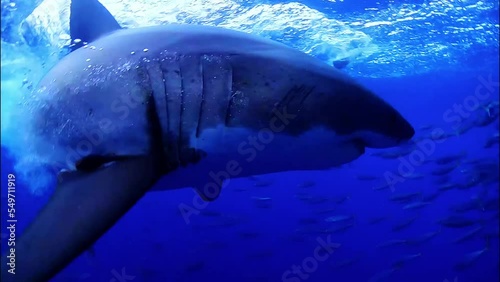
{"x":194,"y":107}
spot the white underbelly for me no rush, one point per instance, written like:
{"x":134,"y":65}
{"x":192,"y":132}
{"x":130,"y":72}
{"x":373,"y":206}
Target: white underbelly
{"x":233,"y":153}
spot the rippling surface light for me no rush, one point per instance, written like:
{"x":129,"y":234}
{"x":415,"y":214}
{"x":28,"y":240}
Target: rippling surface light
{"x":383,"y":40}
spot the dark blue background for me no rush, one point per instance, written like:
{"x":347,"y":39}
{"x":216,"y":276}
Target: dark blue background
{"x":153,"y":243}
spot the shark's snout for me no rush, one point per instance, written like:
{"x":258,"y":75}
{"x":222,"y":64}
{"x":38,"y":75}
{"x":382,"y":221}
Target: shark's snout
{"x":355,"y":111}
{"x":399,"y":128}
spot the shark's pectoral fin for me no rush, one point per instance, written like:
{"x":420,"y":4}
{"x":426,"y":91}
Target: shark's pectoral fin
{"x":85,"y":204}
{"x":82,"y":208}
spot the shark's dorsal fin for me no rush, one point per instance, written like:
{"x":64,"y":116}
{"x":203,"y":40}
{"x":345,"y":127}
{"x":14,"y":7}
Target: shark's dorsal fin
{"x":89,"y":20}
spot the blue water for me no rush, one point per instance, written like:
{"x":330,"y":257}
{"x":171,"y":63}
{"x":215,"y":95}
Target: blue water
{"x":423,"y":57}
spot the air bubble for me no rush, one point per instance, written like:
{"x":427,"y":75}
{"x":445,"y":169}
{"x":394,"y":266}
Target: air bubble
{"x":145,"y":49}
{"x":64,"y":36}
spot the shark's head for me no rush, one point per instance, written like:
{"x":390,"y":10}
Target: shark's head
{"x":365,"y":115}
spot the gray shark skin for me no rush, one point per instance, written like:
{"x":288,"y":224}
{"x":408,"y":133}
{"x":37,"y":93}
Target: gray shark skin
{"x":214,"y":89}
{"x":184,"y":102}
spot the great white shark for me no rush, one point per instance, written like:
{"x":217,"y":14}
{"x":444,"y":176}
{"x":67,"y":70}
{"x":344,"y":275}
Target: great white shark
{"x":191,"y":104}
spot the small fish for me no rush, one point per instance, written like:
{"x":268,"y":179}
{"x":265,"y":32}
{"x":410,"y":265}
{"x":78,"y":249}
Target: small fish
{"x":381,"y":187}
{"x":444,"y":170}
{"x":485,"y":172}
{"x":313,"y":230}
{"x":341,"y":199}
{"x":404,"y":259}
{"x":375,"y":220}
{"x":346,"y":262}
{"x":327,"y":210}
{"x":450,"y":158}
{"x":392,"y":243}
{"x":492,"y":204}
{"x":414,"y":176}
{"x":492,"y":233}
{"x":430,"y":197}
{"x":365,"y":177}
{"x":210,"y":213}
{"x":447,"y":186}
{"x":442,"y":137}
{"x":404,"y":197}
{"x":470,"y":259}
{"x":473,"y":204}
{"x":306,"y":184}
{"x":240,"y":189}
{"x":456,"y":221}
{"x":415,"y":205}
{"x":392,"y":154}
{"x":339,"y":218}
{"x":308,"y":220}
{"x":426,"y":127}
{"x":253,"y":178}
{"x":424,"y":238}
{"x":469,"y":235}
{"x":488,"y":116}
{"x":248,"y":234}
{"x":262,"y":202}
{"x":341,"y":228}
{"x":469,"y":183}
{"x":223,"y":222}
{"x":403,"y":224}
{"x":382,"y":275}
{"x":464,"y":128}
{"x":262,"y":183}
{"x":491,"y":141}
{"x":442,"y":179}
{"x":316,"y":200}
{"x":262,"y":199}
